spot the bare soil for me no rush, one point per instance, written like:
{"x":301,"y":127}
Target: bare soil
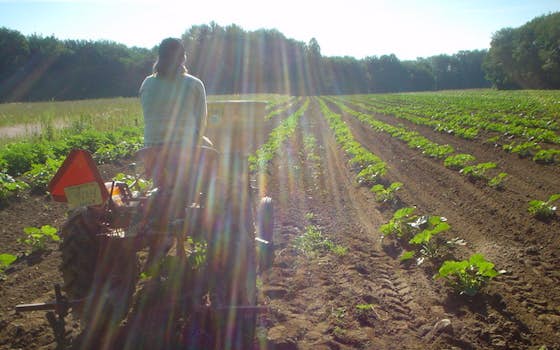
{"x":313,"y":299}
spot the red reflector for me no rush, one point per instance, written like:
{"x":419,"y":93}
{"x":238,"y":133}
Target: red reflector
{"x":77,"y":169}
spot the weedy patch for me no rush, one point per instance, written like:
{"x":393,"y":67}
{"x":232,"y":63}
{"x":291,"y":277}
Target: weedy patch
{"x":312,"y":242}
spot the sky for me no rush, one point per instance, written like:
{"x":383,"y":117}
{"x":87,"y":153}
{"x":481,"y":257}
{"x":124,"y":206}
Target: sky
{"x":359,"y":28}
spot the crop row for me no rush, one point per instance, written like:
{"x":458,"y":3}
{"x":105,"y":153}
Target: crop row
{"x":418,"y":236}
{"x":280,"y":106}
{"x":461,"y":162}
{"x":369,"y":166}
{"x":38,"y":160}
{"x":533,"y":110}
{"x":264,"y":155}
{"x":531,"y":130}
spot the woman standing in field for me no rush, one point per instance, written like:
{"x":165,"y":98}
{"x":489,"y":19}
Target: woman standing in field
{"x":174,"y":107}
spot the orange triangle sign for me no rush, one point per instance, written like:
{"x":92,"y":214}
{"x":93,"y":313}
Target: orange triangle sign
{"x":77,"y":169}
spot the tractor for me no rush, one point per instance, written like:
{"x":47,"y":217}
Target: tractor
{"x":194,"y":240}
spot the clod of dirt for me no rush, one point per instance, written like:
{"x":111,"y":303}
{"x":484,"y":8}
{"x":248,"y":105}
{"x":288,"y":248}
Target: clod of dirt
{"x":443,"y":325}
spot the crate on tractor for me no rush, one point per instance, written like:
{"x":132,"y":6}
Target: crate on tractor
{"x":199,"y":195}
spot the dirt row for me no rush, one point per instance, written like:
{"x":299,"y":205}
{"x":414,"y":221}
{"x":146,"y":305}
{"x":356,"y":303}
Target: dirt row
{"x":518,"y":310}
{"x":493,"y":223}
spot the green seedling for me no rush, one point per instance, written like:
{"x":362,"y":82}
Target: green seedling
{"x":548,"y":156}
{"x":467,"y":277}
{"x":37,"y":238}
{"x":425,"y":244}
{"x":543,"y":210}
{"x":135,"y":183}
{"x":5,"y":261}
{"x":399,"y":225}
{"x":458,"y":161}
{"x":384,"y":195}
{"x":10,"y":186}
{"x":497,"y":181}
{"x":477,"y":172}
{"x":524,"y":149}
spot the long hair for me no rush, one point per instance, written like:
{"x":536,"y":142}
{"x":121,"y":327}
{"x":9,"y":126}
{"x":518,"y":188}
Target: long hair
{"x":171,"y":59}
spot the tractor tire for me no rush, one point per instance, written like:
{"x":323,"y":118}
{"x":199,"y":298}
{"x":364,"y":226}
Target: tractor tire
{"x":104,"y":276}
{"x":265,"y":228}
{"x":79,"y":250}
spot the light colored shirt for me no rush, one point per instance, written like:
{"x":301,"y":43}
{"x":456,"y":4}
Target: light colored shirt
{"x":174,"y":110}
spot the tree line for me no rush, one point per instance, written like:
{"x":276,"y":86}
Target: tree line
{"x":231,"y":60}
{"x":527,"y":57}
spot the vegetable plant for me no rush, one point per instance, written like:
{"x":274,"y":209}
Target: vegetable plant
{"x":422,"y":242}
{"x":497,"y":181}
{"x":458,"y":161}
{"x":37,"y":238}
{"x":399,"y":225}
{"x":136,"y":183}
{"x":41,"y":174}
{"x":385,"y":195}
{"x":548,"y":156}
{"x":477,"y":172}
{"x":10,"y":186}
{"x":467,"y":277}
{"x":5,"y":261}
{"x":425,"y":244}
{"x":543,"y":210}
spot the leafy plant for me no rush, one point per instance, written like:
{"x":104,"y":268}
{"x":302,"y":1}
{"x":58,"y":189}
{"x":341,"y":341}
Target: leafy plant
{"x":37,"y":238}
{"x":425,"y":244}
{"x":385,"y":195}
{"x":548,"y":156}
{"x":41,"y":174}
{"x":134,"y":182}
{"x":458,"y":161}
{"x":10,"y":186}
{"x":399,"y":225}
{"x":112,"y":152}
{"x":524,"y":149}
{"x":478,"y":171}
{"x":543,"y":210}
{"x":5,"y":261}
{"x":371,"y":173}
{"x":497,"y":181}
{"x":365,"y":311}
{"x":468,"y":276}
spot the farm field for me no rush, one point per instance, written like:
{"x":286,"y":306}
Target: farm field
{"x":340,"y":279}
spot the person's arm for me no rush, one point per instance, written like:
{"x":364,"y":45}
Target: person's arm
{"x":201,"y":111}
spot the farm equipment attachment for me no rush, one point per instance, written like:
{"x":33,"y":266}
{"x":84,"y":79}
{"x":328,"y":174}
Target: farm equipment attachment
{"x":201,"y":205}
